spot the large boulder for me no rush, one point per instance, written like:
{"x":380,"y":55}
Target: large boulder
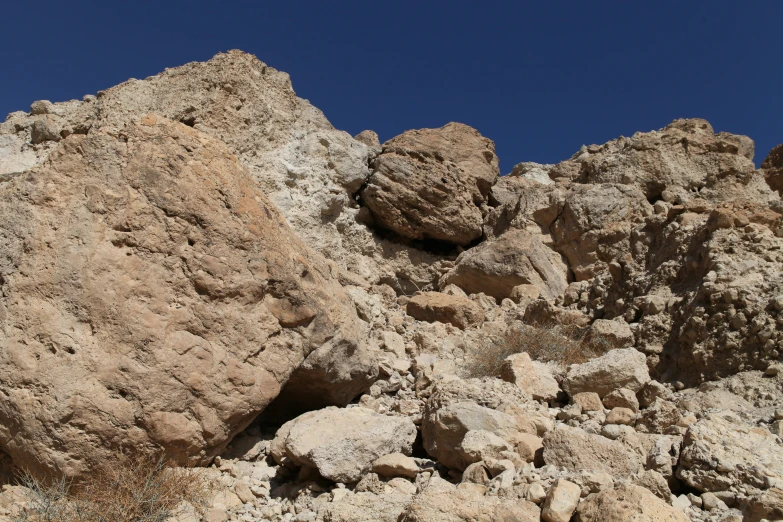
{"x":516,"y":258}
{"x":627,"y":503}
{"x":444,"y":308}
{"x":152,"y":298}
{"x":575,"y":450}
{"x":721,"y":452}
{"x":433,"y":184}
{"x":342,"y":444}
{"x":621,"y":368}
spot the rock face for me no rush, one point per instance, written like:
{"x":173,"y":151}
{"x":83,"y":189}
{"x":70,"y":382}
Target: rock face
{"x":152,"y":298}
{"x":433,"y":184}
{"x":516,"y":258}
{"x":444,"y":308}
{"x":627,"y":503}
{"x":745,"y":455}
{"x":342,"y":444}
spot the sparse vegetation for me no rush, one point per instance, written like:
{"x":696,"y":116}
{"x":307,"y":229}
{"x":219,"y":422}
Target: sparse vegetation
{"x":144,"y":490}
{"x":562,"y":344}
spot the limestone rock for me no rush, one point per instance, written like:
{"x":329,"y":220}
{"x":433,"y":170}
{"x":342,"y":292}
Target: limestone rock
{"x":433,"y":183}
{"x":369,"y":138}
{"x":622,"y":368}
{"x":612,"y":334}
{"x":576,"y":450}
{"x":626,"y":503}
{"x":343,"y":444}
{"x":561,"y":501}
{"x":516,"y":258}
{"x":622,"y":416}
{"x":444,"y":308}
{"x":588,"y":401}
{"x":153,"y":297}
{"x":367,"y":507}
{"x":765,"y":506}
{"x":721,"y":451}
{"x":533,"y":377}
{"x":481,"y":445}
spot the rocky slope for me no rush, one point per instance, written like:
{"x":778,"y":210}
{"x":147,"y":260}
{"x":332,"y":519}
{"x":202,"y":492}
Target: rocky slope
{"x":198,"y":263}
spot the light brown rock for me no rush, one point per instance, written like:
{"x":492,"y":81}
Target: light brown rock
{"x":576,"y":450}
{"x":467,"y":505}
{"x":622,"y":368}
{"x":531,"y":376}
{"x":435,"y":306}
{"x":158,"y":300}
{"x":396,"y":465}
{"x":516,"y":258}
{"x":561,"y":501}
{"x":622,"y":398}
{"x":625,"y":504}
{"x":588,"y":401}
{"x":433,"y":183}
{"x":342,"y":444}
{"x":772,"y":167}
{"x":721,"y":451}
{"x":623,"y":416}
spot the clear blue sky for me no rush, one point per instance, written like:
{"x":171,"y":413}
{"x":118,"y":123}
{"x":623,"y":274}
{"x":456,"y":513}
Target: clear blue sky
{"x":539,"y":78}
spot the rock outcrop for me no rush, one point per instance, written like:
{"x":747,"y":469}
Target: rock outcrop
{"x":433,"y":184}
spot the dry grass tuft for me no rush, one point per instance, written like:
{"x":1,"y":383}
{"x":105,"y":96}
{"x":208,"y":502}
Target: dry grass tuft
{"x":561,"y":344}
{"x":144,"y":490}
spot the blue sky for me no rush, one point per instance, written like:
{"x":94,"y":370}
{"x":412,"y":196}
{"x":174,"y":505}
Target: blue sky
{"x":539,"y":78}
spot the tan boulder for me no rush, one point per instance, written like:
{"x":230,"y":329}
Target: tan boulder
{"x":433,"y":183}
{"x":627,"y":503}
{"x":721,"y":452}
{"x":435,"y":306}
{"x":588,"y":401}
{"x":575,"y":450}
{"x":342,"y":443}
{"x":561,"y":501}
{"x":396,"y":465}
{"x":621,"y":368}
{"x":516,"y":258}
{"x":153,"y":298}
{"x":621,"y":398}
{"x":468,"y":505}
{"x":531,"y":376}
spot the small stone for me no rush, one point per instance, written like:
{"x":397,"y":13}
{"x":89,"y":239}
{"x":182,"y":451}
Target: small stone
{"x":41,"y":107}
{"x":528,"y":445}
{"x":773,"y":369}
{"x":710,"y":502}
{"x":621,"y":398}
{"x":476,"y":473}
{"x":243,"y":492}
{"x":536,"y":493}
{"x":624,"y":416}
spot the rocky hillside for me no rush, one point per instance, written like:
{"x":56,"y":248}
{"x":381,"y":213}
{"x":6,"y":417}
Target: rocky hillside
{"x":198,"y":265}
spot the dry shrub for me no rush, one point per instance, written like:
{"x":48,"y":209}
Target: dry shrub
{"x":143,"y":490}
{"x":558,"y":343}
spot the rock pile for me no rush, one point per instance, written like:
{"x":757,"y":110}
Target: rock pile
{"x":198,"y":264}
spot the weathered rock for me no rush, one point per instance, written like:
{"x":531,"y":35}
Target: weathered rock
{"x":627,"y":503}
{"x":367,"y":507}
{"x":533,"y":377}
{"x":561,"y":501}
{"x":396,"y":465}
{"x":721,"y":452}
{"x":622,"y":368}
{"x":516,"y":258}
{"x":463,"y":505}
{"x":369,"y":138}
{"x":576,"y":450}
{"x":658,"y":416}
{"x":153,"y":297}
{"x":612,"y":334}
{"x":622,"y":398}
{"x":444,"y":308}
{"x":481,"y":445}
{"x":588,"y":401}
{"x":342,"y":444}
{"x":433,"y":183}
{"x":767,"y":505}
{"x":773,"y":168}
{"x":655,"y":483}
{"x":623,"y":416}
